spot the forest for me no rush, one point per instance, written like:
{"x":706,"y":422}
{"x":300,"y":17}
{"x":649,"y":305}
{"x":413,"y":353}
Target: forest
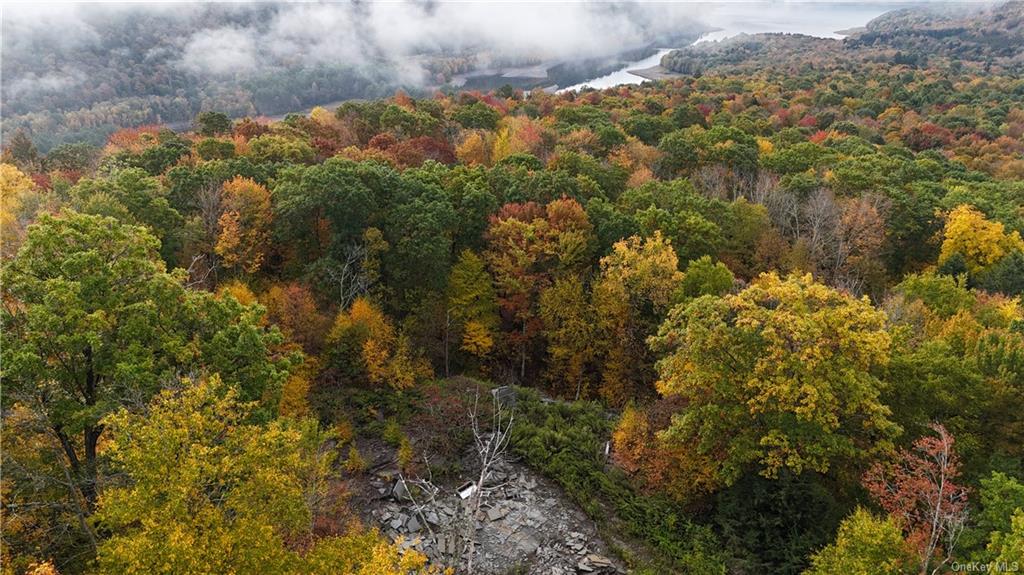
{"x":763,"y":317}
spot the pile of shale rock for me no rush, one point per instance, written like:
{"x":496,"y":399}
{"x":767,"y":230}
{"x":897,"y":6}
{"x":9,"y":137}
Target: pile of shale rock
{"x":525,"y":524}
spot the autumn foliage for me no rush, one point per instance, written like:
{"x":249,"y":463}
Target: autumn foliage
{"x":920,"y":489}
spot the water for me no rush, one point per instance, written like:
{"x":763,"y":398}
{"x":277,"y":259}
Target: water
{"x":622,"y":75}
{"x":821,"y":19}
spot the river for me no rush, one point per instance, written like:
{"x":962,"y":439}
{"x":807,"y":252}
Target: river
{"x":821,"y":19}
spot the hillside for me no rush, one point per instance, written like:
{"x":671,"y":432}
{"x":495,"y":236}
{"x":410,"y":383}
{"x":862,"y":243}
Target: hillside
{"x":984,"y":35}
{"x":122,"y":66}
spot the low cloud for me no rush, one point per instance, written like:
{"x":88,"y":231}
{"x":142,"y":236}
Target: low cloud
{"x":31,"y":84}
{"x":222,"y":51}
{"x":393,"y":33}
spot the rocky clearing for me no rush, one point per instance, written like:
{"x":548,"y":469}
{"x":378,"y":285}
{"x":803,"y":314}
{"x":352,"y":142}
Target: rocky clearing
{"x":526,"y":523}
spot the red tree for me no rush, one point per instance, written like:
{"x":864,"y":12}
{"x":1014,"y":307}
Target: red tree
{"x":919,"y":490}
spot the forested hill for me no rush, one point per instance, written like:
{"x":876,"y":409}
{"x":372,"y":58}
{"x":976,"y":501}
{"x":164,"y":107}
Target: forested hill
{"x":989,"y":36}
{"x":765,"y":319}
{"x":107,"y":66}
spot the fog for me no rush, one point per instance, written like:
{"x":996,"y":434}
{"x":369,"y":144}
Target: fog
{"x":237,"y":38}
{"x":150,"y":61}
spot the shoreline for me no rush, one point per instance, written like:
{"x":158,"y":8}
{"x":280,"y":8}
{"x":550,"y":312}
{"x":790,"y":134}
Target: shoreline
{"x":659,"y":72}
{"x":655,"y":73}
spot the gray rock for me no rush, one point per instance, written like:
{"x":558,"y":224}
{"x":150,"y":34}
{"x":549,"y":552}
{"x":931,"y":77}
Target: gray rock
{"x":496,"y":513}
{"x":400,"y":491}
{"x":413,"y":525}
{"x":527,"y":544}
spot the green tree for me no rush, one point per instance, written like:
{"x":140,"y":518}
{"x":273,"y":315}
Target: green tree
{"x":281,"y":149}
{"x":79,"y":156}
{"x":1001,"y":498}
{"x":728,"y":146}
{"x":321,"y":210}
{"x":213,"y":123}
{"x":680,"y":154}
{"x":95,"y":322}
{"x":706,"y":277}
{"x":1008,"y":547}
{"x":1005,"y":276}
{"x":477,"y":116}
{"x":419,"y":227}
{"x":214,"y":149}
{"x":21,"y":151}
{"x":133,"y":197}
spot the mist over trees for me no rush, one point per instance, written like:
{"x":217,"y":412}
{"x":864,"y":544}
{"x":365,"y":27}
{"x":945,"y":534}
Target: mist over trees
{"x":111,"y":66}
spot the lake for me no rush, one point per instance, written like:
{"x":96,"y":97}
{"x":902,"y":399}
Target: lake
{"x":821,"y":19}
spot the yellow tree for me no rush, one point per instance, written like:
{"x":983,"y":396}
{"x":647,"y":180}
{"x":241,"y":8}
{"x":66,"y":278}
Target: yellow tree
{"x":569,"y":330}
{"x":364,"y":347}
{"x":244,"y":224}
{"x":475,"y":149}
{"x":238,"y":290}
{"x":15,"y":189}
{"x":295,"y":392}
{"x":527,"y":247}
{"x":647,"y":267}
{"x":637,"y":283}
{"x":866,"y":545}
{"x":472,"y":306}
{"x":294,"y":310}
{"x":979,"y":241}
{"x":206,"y":492}
{"x":780,"y":376}
{"x":518,"y":134}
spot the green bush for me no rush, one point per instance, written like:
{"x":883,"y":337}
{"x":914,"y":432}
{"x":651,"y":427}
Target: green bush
{"x":565,"y":441}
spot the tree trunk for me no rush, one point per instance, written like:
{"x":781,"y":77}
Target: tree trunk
{"x":89,"y":470}
{"x":79,"y":511}
{"x":91,"y":436}
{"x":522,"y":355}
{"x":447,"y":330}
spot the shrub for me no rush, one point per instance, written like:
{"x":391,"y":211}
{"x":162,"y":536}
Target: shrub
{"x":566,"y":442}
{"x":354,"y":463}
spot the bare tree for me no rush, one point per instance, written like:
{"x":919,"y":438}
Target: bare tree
{"x":922,"y":491}
{"x":422,"y":492}
{"x":448,"y":322}
{"x":347,"y":274}
{"x":491,"y":444}
{"x":199,"y":271}
{"x":765,"y":185}
{"x":203,"y":269}
{"x":784,"y":211}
